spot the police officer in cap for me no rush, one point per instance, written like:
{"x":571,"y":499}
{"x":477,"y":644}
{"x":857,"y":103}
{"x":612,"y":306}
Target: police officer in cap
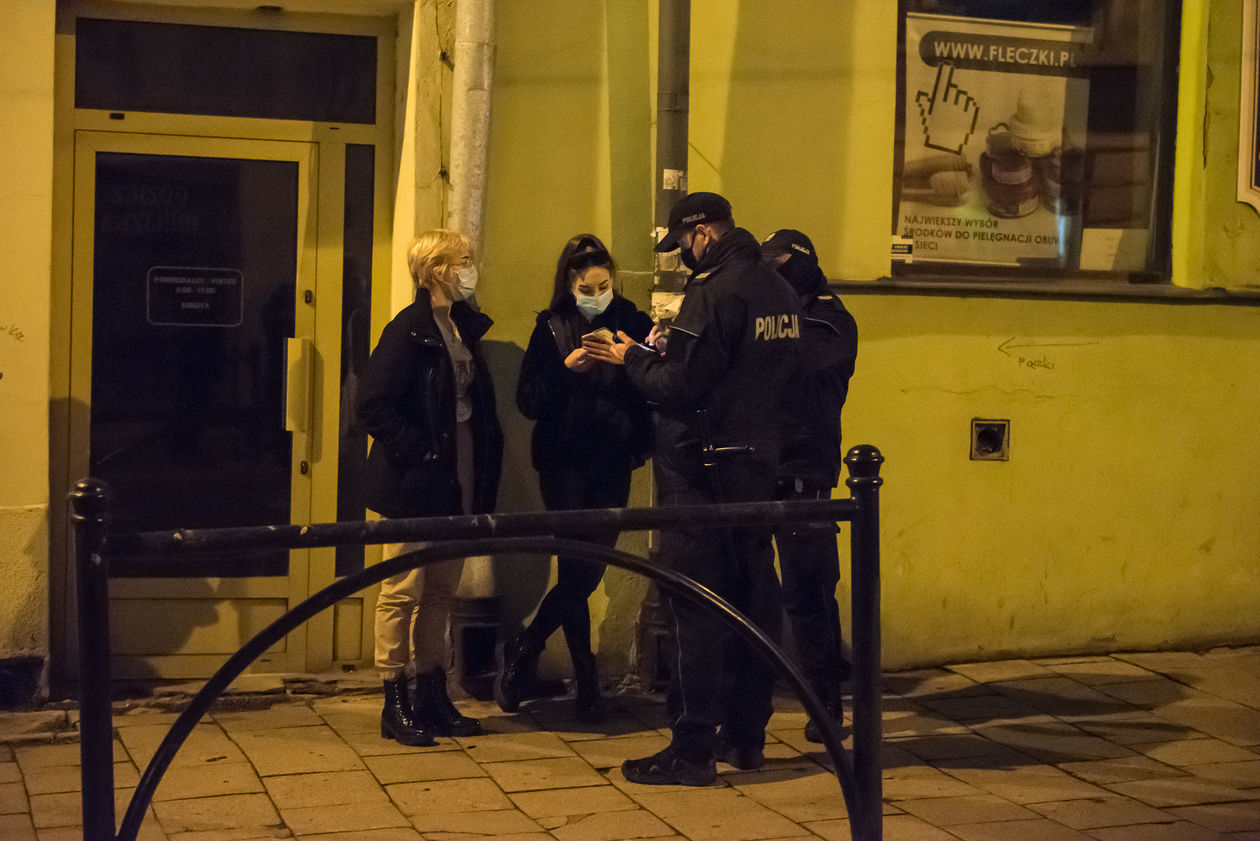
{"x":731,"y":350}
{"x":810,"y":466}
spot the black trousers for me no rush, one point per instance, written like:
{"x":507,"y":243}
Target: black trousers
{"x":717,"y":679}
{"x":564,"y":606}
{"x":810,"y":565}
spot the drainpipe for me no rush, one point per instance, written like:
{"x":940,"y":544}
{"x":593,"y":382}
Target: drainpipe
{"x":475,"y":611}
{"x":672,"y":107}
{"x":470,"y":117}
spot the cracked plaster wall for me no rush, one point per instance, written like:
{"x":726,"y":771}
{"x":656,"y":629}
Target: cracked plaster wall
{"x":26,"y":109}
{"x":1126,"y":517}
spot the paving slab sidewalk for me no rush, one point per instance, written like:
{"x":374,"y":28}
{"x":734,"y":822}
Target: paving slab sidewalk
{"x":1160,"y":746}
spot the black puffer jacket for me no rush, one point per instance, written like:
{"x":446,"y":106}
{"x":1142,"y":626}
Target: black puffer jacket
{"x":594,"y":417}
{"x":407,"y":404}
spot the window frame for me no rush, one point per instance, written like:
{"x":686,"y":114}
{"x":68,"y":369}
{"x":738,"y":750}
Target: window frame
{"x":972,"y":278}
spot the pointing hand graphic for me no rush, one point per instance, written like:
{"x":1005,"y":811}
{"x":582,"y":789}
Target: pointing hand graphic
{"x":948,"y":115}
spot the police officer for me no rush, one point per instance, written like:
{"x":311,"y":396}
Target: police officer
{"x":810,"y":466}
{"x":731,"y":350}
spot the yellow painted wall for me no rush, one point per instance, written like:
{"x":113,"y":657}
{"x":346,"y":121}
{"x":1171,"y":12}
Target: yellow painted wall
{"x":792,"y":119}
{"x":1126,"y":517}
{"x":26,"y":112}
{"x":570,"y":150}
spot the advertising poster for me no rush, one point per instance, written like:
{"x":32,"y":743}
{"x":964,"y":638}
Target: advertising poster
{"x":994,"y":157}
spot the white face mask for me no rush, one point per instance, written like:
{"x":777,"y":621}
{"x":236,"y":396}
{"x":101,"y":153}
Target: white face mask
{"x":593,"y":305}
{"x":465,"y":283}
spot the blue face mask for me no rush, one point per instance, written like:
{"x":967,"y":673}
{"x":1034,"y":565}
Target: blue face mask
{"x":592,"y":305}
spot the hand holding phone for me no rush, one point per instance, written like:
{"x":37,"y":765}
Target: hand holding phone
{"x":602,"y":335}
{"x":604,"y":346}
{"x":657,"y":337}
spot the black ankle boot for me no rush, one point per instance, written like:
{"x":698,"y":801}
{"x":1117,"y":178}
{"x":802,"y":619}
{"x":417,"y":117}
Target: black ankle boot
{"x":517,"y":662}
{"x":744,"y":757}
{"x":434,"y":707}
{"x":397,"y":722}
{"x":590,"y":703}
{"x":832,"y":698}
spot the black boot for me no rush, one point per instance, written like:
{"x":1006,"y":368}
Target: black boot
{"x":831,"y":695}
{"x":397,"y":722}
{"x":745,"y":757}
{"x":590,"y":704}
{"x":516,"y":673}
{"x":434,"y":707}
{"x":670,"y":768}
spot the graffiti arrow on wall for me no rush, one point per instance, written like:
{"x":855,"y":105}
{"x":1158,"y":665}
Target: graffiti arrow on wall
{"x":1007,"y":346}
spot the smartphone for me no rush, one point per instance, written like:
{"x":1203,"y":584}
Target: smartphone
{"x":603,"y":334}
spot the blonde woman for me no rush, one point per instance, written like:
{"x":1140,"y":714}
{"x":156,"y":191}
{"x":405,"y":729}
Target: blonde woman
{"x":428,"y":403}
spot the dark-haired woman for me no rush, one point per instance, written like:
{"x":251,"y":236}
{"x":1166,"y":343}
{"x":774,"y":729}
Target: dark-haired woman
{"x":592,"y":429}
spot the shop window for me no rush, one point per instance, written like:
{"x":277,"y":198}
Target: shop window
{"x":1035,"y":139}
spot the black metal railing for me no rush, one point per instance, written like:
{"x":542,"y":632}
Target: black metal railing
{"x":859,"y":772}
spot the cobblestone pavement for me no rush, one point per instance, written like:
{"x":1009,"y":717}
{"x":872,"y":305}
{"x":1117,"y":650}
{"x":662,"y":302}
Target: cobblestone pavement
{"x":1131,"y":747}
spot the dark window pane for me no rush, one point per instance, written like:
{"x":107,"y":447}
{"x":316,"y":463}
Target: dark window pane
{"x":188,"y":391}
{"x":356,"y":318}
{"x":123,"y":65}
{"x":1041,"y":11}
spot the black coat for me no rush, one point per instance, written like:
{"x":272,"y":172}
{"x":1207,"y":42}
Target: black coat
{"x":593,"y":417}
{"x":814,"y":398}
{"x":731,"y":350}
{"x":407,"y":404}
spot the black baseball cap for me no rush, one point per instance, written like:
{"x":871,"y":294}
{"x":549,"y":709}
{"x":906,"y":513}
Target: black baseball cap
{"x":788,"y":241}
{"x":691,"y":210}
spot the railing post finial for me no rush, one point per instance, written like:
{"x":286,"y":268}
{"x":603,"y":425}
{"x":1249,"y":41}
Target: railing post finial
{"x":864,"y":481}
{"x":89,"y":502}
{"x":864,"y":461}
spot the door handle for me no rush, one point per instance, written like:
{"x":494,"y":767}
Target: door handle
{"x":300,"y":365}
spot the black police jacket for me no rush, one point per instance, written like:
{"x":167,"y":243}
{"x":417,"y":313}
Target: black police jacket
{"x":593,"y":417}
{"x":731,"y":350}
{"x":407,"y":404}
{"x":813,"y":399}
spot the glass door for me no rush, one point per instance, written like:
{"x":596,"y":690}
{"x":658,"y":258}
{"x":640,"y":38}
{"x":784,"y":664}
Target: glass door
{"x":195,"y":258}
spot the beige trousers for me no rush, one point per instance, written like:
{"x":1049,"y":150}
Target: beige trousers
{"x":413,"y":610}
